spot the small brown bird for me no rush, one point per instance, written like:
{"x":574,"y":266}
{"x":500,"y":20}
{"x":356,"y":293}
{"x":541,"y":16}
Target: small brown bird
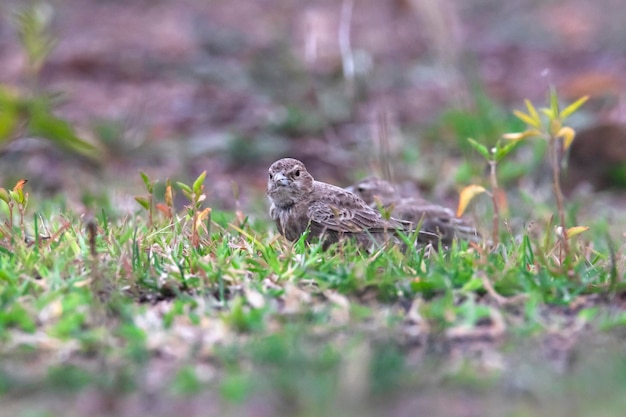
{"x":435,"y":219}
{"x":329,"y":212}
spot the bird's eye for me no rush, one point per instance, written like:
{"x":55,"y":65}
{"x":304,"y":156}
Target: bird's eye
{"x":360,"y":188}
{"x":271,"y":176}
{"x":297,"y":173}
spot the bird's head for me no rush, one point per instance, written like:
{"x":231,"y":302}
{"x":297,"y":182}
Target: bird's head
{"x":288,"y":182}
{"x":373,"y":189}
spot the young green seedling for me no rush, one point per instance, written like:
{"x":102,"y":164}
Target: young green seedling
{"x":551,"y":127}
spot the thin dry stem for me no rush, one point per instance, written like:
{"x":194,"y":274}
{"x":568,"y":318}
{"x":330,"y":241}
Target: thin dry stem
{"x":558,"y":194}
{"x":347,"y":59}
{"x":150,"y":215}
{"x":20,"y":209}
{"x":11,"y":215}
{"x":500,"y":299}
{"x":383,"y":141}
{"x":195,"y":240}
{"x":494,"y":197}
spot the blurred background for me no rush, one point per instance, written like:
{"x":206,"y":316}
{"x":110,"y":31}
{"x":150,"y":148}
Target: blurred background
{"x":350,"y":87}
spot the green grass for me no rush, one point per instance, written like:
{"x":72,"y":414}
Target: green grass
{"x":246,"y":315}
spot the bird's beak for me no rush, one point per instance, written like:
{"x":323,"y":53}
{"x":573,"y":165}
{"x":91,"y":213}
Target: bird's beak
{"x":280,"y":179}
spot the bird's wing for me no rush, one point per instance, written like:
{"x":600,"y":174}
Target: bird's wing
{"x":435,"y":218}
{"x":336,"y":209}
{"x":416,"y":208}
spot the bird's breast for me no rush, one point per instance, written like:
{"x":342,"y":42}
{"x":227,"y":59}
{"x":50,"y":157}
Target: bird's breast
{"x":290,"y":221}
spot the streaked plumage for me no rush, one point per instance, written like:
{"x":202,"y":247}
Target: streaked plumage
{"x":434,"y":218}
{"x":332,"y":213}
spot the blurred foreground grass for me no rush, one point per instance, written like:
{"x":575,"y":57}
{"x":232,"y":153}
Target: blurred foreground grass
{"x":199,"y":308}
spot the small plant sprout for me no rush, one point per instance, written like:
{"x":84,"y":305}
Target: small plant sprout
{"x":195,"y":195}
{"x":147,"y":202}
{"x":167,"y":208}
{"x":15,"y":199}
{"x":498,"y":196}
{"x":551,"y":127}
{"x":29,"y":111}
{"x":33,"y":28}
